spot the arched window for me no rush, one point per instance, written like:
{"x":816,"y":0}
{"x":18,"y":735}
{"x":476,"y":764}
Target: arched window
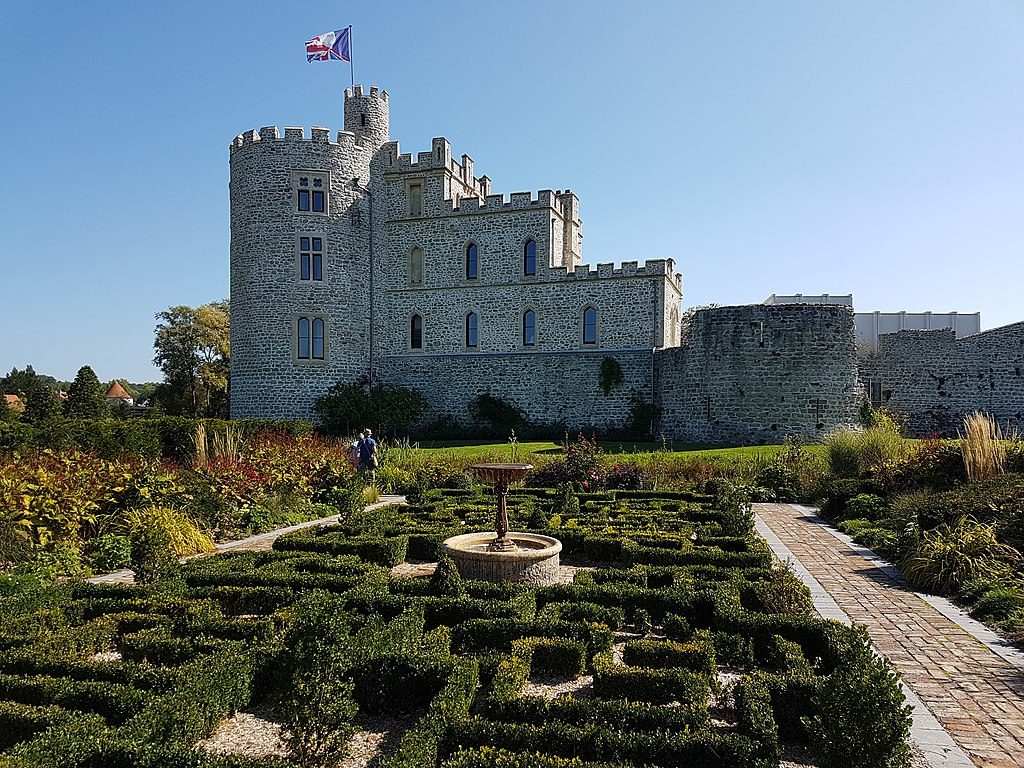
{"x":529,"y":328}
{"x":318,"y":339}
{"x":416,"y":266}
{"x":590,"y":326}
{"x":416,"y":332}
{"x":472,"y":262}
{"x":471,"y":336}
{"x":303,"y":348}
{"x":530,"y":257}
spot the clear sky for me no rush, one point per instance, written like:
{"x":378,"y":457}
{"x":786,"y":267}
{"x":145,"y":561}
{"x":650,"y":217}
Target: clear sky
{"x":873,"y":147}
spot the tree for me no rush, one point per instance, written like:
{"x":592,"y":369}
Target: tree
{"x":347,"y":407}
{"x":193,"y":351}
{"x":86,"y":396}
{"x":6,"y":412}
{"x":43,"y":406}
{"x":23,"y":382}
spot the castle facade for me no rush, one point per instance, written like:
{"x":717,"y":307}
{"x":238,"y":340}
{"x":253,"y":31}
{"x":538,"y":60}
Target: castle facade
{"x":351,"y":259}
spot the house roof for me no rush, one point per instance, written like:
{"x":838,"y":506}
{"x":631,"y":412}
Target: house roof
{"x":116,"y":392}
{"x":14,"y":403}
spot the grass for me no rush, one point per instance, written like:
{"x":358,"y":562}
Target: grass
{"x":484,"y":448}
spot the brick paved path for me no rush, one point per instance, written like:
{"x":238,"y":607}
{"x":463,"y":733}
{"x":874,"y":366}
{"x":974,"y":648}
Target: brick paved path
{"x":976,"y":695}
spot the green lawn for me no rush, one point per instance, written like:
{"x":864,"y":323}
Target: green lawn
{"x":473,"y":448}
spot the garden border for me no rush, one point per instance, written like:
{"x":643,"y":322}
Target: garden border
{"x":126,"y":575}
{"x":937,"y":746}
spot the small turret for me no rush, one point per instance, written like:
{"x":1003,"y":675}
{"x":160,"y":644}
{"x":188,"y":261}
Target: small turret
{"x":367,"y":115}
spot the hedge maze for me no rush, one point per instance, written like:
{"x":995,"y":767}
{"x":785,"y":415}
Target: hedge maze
{"x":681,"y":642}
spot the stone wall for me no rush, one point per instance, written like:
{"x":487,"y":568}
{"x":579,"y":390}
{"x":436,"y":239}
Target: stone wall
{"x":550,"y":387}
{"x":757,"y":374}
{"x":934,"y":379}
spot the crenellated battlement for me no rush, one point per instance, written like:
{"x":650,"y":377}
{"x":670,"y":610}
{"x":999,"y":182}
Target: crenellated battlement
{"x":357,"y":92}
{"x":315,"y":135}
{"x":649,"y":268}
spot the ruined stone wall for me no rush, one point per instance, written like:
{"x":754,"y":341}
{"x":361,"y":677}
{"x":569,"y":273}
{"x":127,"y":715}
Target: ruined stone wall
{"x":757,"y":374}
{"x":934,"y":379}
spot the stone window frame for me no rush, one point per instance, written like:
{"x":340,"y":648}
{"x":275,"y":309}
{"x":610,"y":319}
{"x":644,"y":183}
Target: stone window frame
{"x":583,"y":326}
{"x":296,"y":178}
{"x":409,"y":263}
{"x":522,"y":328}
{"x":323,"y":257}
{"x":465,"y":261}
{"x":409,"y":331}
{"x":536,"y":257}
{"x":475,"y":314}
{"x":409,"y":184}
{"x":311,"y":317}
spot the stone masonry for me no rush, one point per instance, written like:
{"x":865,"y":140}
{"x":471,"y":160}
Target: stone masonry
{"x":396,"y":298}
{"x":935,"y":379}
{"x":759,"y":373}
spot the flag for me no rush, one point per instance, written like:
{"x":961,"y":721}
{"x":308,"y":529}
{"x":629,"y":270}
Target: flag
{"x":330,"y":45}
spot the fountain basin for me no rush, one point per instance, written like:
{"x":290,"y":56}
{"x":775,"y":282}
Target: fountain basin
{"x":533,"y":561}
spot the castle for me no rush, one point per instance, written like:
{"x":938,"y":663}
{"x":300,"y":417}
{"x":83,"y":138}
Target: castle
{"x":350,"y":259}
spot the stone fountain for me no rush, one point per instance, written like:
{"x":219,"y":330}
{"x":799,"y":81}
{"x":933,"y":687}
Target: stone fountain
{"x":504,"y":555}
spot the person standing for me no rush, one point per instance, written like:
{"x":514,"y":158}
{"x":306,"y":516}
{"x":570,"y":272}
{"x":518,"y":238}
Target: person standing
{"x":368,"y":455}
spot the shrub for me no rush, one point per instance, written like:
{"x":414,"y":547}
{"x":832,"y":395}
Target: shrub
{"x":736,"y":513}
{"x":110,"y":552}
{"x":657,"y":686}
{"x":951,"y":554}
{"x":860,"y":718}
{"x":781,"y":594}
{"x":557,"y":657}
{"x":997,"y":604}
{"x":866,"y":505}
{"x":153,"y":557}
{"x":446,"y":579}
{"x":668,"y":654}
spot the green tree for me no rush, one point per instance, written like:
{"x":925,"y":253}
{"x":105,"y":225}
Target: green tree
{"x":86,"y":398}
{"x":193,"y":350}
{"x":6,"y":412}
{"x":43,"y":406}
{"x":23,"y":382}
{"x":347,"y":407}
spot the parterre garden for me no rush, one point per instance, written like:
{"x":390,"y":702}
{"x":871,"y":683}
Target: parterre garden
{"x":674,"y":641}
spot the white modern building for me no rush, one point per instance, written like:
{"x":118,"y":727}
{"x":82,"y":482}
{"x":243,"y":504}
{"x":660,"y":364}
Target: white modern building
{"x":870,"y":325}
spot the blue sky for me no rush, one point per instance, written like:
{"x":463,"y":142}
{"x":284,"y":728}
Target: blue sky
{"x":782,"y":146}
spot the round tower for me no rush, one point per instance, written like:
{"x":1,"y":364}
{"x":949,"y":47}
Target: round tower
{"x":300,"y":277}
{"x":367,"y":115}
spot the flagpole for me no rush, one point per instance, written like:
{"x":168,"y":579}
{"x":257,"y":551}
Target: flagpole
{"x":351,"y":57}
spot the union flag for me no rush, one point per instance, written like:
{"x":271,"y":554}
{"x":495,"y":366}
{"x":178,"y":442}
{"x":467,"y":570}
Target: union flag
{"x":330,"y":45}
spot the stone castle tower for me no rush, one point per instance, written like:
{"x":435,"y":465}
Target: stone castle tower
{"x":300,"y":248}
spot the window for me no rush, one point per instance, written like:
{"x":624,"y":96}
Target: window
{"x":590,"y":326}
{"x":529,"y":328}
{"x":311,"y":191}
{"x":875,"y":393}
{"x":416,"y":332}
{"x":318,"y":339}
{"x":311,"y":338}
{"x":362,"y":120}
{"x":415,"y":200}
{"x":530,"y":257}
{"x":416,"y":266}
{"x":303,"y":350}
{"x":472,"y":261}
{"x":311,"y":257}
{"x":471,"y":335}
